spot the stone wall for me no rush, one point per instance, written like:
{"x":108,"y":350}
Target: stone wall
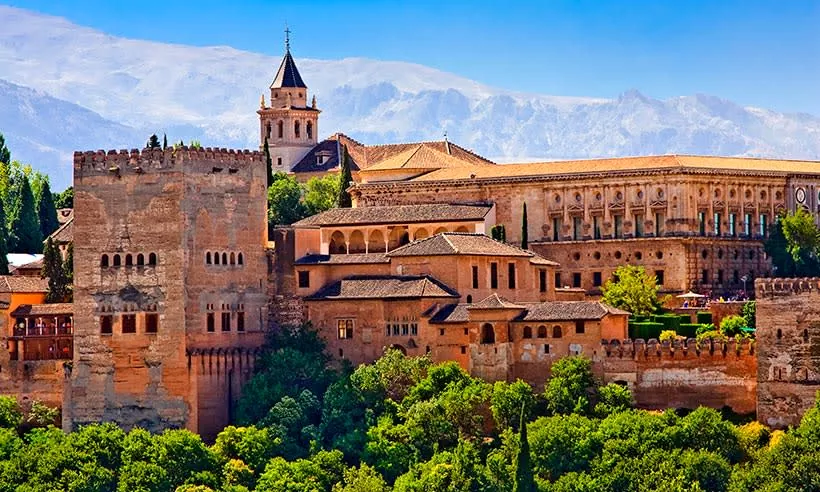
{"x":788,"y":340}
{"x":41,"y":380}
{"x":684,"y":375}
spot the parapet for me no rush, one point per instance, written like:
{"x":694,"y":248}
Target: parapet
{"x":639,"y":349}
{"x":779,"y":287}
{"x":135,"y":161}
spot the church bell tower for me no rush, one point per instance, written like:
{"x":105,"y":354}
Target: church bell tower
{"x":288,"y":123}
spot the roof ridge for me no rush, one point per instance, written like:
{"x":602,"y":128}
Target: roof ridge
{"x":444,"y":235}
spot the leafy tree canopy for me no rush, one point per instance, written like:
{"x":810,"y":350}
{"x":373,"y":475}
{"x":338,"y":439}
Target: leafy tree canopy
{"x":633,"y":290}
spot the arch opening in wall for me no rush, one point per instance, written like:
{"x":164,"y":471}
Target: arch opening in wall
{"x":104,"y":261}
{"x":556,"y":331}
{"x":268,"y":131}
{"x":140,"y":259}
{"x":420,"y":233}
{"x":440,"y":230}
{"x":779,"y":334}
{"x":240,"y":259}
{"x":224,"y":258}
{"x":542,"y":331}
{"x":216,"y":258}
{"x":399,"y":347}
{"x":337,"y":243}
{"x":355,"y":243}
{"x":375,"y":243}
{"x":117,"y":260}
{"x":208,"y":258}
{"x":296,"y":130}
{"x":527,"y":332}
{"x":398,"y":237}
{"x":129,"y":260}
{"x":309,"y":130}
{"x":469,"y":299}
{"x":152,"y":259}
{"x":462,"y":229}
{"x":487,"y":333}
{"x":232,"y":258}
{"x":280,"y":128}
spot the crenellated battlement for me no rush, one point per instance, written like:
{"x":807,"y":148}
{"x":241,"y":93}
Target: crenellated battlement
{"x":776,"y":287}
{"x":652,"y":349}
{"x":138,"y":161}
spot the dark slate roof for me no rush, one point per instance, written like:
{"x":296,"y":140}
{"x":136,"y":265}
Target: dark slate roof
{"x":457,"y":243}
{"x":310,"y":164}
{"x":351,"y":259}
{"x":287,"y":75}
{"x":43,"y":309}
{"x":567,"y":311}
{"x":494,"y":301}
{"x":397,"y":214}
{"x":20,"y":283}
{"x":384,"y":287}
{"x":451,"y":313}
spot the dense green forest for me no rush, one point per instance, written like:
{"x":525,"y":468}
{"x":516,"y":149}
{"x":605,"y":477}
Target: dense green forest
{"x":406,"y":424}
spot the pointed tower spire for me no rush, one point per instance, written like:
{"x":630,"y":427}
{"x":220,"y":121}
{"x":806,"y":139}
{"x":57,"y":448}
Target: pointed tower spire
{"x":287,"y":75}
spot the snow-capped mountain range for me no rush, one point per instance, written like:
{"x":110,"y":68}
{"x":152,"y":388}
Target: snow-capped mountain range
{"x":64,"y":87}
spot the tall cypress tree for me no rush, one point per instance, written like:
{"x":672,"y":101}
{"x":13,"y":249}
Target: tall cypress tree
{"x":46,"y":211}
{"x":164,"y":141}
{"x":268,"y":162}
{"x":24,"y":228}
{"x":68,"y":272}
{"x":54,"y":272}
{"x":525,"y":240}
{"x":524,"y":479}
{"x":345,"y":178}
{"x":4,"y":245}
{"x":5,"y":155}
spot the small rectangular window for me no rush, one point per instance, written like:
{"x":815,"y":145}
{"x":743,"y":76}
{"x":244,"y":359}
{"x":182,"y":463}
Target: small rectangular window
{"x":405,"y":329}
{"x":106,"y":325}
{"x":475,"y":276}
{"x":151,"y":323}
{"x":279,"y":159}
{"x":211,"y":322}
{"x":546,"y":348}
{"x":705,"y":277}
{"x":414,"y":329}
{"x":556,"y":229}
{"x":226,"y":321}
{"x":638,"y":225}
{"x":240,"y":321}
{"x":577,"y":228}
{"x":619,"y":226}
{"x":542,"y":280}
{"x":596,"y":227}
{"x":463,"y":349}
{"x":659,"y":277}
{"x":717,"y":220}
{"x":576,"y":279}
{"x":345,"y":328}
{"x":733,"y":224}
{"x":579,"y":327}
{"x":395,"y":329}
{"x":660,"y":224}
{"x":129,"y":323}
{"x":763,"y":224}
{"x":596,"y":279}
{"x":304,"y":279}
{"x":747,"y":224}
{"x":557,"y":280}
{"x":493,"y":275}
{"x":702,"y":223}
{"x":511,"y":275}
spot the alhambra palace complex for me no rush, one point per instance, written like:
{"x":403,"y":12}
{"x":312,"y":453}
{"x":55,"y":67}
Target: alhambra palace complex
{"x":177,"y":277}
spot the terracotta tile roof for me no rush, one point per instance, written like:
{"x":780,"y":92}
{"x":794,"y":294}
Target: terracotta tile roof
{"x":20,"y":283}
{"x":384,"y":287}
{"x":397,"y":214}
{"x":65,"y":233}
{"x":34,"y":265}
{"x":451,"y":313}
{"x":43,"y":309}
{"x":419,"y":157}
{"x":567,"y":311}
{"x":457,"y":243}
{"x":351,"y":259}
{"x":494,"y":301}
{"x":624,"y":164}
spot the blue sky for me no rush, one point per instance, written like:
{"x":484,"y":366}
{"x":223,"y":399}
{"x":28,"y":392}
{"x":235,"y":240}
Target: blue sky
{"x":753,"y":52}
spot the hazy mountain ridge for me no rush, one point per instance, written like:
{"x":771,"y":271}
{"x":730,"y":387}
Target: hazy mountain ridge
{"x":212,"y":93}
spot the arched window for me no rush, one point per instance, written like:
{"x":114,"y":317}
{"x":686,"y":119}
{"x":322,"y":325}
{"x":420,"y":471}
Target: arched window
{"x":117,"y":260}
{"x":140,"y":259}
{"x":779,"y":333}
{"x":337,"y":243}
{"x":487,"y":333}
{"x":129,"y":260}
{"x":805,"y":335}
{"x":152,"y":259}
{"x":296,"y":132}
{"x":469,"y":299}
{"x":528,"y":332}
{"x":309,"y":130}
{"x":239,"y":259}
{"x":208,"y":258}
{"x":216,"y":258}
{"x":268,"y":131}
{"x":104,"y":261}
{"x":542,"y":331}
{"x":556,"y":331}
{"x":280,"y":127}
{"x":233,"y":259}
{"x":224,"y":258}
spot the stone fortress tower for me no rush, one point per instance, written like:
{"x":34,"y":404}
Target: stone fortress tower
{"x":289,"y":125}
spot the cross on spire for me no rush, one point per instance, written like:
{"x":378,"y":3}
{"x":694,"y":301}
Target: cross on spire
{"x":287,"y":37}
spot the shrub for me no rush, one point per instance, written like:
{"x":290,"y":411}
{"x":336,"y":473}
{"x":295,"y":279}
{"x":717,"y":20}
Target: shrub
{"x":646,"y":330}
{"x":688,"y":330}
{"x":732,"y":325}
{"x":705,"y":328}
{"x":670,"y":335}
{"x":704,"y":317}
{"x":712,"y":335}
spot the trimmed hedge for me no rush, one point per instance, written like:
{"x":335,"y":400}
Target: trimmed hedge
{"x":645,"y":330}
{"x":704,"y":317}
{"x":669,"y":321}
{"x":688,"y":330}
